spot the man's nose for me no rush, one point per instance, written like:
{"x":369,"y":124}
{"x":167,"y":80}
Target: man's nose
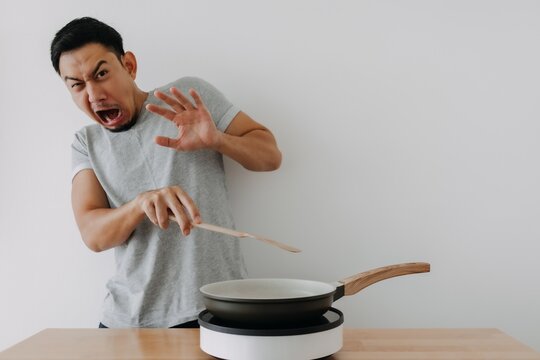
{"x":95,"y":92}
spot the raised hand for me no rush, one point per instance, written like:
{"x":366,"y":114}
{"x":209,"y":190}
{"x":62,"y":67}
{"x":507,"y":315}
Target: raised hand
{"x":196,"y":129}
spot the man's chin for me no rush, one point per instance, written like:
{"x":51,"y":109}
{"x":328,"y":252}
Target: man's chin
{"x":123,"y":127}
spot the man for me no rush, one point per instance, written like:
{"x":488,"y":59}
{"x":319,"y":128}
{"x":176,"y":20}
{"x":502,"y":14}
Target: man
{"x":150,"y":156}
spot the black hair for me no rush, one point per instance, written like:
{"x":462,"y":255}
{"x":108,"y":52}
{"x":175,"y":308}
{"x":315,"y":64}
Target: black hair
{"x":82,"y":31}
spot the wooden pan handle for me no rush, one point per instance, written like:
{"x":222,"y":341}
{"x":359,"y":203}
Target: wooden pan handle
{"x":355,"y":283}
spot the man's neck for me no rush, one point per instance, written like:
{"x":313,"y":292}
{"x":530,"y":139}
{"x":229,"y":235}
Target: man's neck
{"x":140,"y":98}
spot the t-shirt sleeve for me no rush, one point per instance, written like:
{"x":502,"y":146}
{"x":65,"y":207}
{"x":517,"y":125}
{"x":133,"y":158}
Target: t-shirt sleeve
{"x":79,"y":155}
{"x":221,"y":109}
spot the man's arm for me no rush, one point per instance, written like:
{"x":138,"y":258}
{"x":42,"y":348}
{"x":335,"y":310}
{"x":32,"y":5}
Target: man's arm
{"x":244,"y":140}
{"x":250,"y":144}
{"x":103,"y":228}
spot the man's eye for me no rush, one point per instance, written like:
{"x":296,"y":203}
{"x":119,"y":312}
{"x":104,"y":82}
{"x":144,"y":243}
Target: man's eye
{"x":75,"y":85}
{"x":101,"y":74}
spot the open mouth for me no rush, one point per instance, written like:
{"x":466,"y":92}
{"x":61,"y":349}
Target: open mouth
{"x":110,"y":117}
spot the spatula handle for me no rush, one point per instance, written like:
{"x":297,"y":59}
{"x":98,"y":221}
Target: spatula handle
{"x":218,"y":229}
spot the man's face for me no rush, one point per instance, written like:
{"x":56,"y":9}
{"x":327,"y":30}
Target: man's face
{"x":102,"y":85}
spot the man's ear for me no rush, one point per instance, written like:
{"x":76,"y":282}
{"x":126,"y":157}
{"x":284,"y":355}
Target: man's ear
{"x":130,"y":63}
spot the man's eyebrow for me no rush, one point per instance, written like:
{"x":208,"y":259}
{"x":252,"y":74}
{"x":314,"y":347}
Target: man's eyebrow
{"x":101,"y":62}
{"x":66,"y":78}
{"x":96,"y":69}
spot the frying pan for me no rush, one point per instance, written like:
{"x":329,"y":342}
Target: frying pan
{"x":275,"y":301}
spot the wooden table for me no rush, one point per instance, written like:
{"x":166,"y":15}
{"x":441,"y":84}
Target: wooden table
{"x":132,"y":344}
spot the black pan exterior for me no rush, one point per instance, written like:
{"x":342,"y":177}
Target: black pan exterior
{"x":269,"y":312}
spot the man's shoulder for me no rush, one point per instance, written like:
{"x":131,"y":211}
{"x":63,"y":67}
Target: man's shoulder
{"x":88,"y":129}
{"x":185,"y":83}
{"x":87,"y":133}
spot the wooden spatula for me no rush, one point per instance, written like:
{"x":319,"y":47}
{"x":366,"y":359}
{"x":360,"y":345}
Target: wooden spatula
{"x":241,"y":234}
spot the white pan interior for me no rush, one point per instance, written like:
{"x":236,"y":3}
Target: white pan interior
{"x":267,"y":289}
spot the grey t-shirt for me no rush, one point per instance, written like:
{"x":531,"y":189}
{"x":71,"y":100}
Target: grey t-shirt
{"x":159,"y":272}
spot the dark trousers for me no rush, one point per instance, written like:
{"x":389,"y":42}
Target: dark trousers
{"x":188,"y":325}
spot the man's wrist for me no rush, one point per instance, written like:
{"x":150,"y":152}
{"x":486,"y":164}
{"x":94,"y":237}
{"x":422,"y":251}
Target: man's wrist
{"x":219,"y":144}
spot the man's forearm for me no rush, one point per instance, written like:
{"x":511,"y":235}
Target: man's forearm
{"x":256,"y":150}
{"x":104,"y":228}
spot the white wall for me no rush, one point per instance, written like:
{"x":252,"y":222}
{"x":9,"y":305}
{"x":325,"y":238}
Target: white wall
{"x":409,"y":131}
